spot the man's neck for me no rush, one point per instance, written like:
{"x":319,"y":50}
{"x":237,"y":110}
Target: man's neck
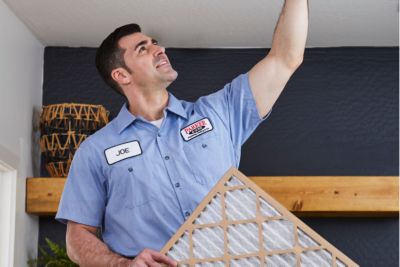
{"x":149,"y":106}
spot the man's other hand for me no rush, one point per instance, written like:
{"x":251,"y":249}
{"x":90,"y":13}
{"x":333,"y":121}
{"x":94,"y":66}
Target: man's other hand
{"x":151,"y":258}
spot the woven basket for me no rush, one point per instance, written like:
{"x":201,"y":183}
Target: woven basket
{"x":63,"y":128}
{"x":83,"y":118}
{"x":58,"y":169}
{"x":60,"y":146}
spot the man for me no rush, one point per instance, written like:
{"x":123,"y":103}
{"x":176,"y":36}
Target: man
{"x":138,"y":179}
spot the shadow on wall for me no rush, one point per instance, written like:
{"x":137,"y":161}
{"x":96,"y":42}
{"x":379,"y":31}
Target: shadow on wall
{"x":35,"y":138}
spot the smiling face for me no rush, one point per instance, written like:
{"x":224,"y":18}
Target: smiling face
{"x":148,"y":65}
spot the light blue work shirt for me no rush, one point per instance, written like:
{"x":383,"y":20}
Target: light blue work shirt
{"x":140,"y":201}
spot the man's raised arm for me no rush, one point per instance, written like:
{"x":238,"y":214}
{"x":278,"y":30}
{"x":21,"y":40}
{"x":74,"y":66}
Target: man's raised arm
{"x":269,"y":76}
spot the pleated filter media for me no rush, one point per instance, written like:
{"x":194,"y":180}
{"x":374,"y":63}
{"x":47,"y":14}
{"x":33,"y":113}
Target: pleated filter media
{"x":238,"y":224}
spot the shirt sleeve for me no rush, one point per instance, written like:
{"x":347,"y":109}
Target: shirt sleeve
{"x":84,"y":196}
{"x":236,"y":107}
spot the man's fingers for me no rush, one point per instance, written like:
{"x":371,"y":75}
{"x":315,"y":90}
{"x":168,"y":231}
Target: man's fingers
{"x":139,"y":263}
{"x":152,"y":263}
{"x":161,"y":258}
{"x":153,"y":258}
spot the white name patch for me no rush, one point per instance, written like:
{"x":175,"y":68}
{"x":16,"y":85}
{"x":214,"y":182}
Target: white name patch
{"x":195,"y":129}
{"x":122,"y":151}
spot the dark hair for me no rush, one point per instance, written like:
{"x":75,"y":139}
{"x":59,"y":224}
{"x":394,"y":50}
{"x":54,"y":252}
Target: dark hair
{"x":110,"y":56}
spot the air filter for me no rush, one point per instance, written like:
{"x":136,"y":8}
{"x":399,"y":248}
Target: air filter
{"x":238,"y":224}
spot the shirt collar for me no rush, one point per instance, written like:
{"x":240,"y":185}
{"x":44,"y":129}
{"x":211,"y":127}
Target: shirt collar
{"x":175,"y":106}
{"x":125,"y":117}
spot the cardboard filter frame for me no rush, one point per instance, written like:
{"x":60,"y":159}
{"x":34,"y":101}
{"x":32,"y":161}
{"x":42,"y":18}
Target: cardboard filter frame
{"x":239,"y":224}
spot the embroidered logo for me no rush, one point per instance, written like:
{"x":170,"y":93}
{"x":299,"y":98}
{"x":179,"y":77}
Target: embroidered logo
{"x":195,"y":129}
{"x":122,"y":151}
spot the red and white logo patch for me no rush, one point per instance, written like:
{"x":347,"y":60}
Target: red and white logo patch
{"x":195,"y":129}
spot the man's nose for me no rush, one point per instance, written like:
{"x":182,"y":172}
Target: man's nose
{"x":158,"y":50}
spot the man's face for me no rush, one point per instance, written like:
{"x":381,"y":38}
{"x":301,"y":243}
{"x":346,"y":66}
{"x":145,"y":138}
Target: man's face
{"x":147,"y":61}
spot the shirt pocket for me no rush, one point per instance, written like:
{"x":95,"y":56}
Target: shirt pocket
{"x":130,"y":183}
{"x":208,"y":157}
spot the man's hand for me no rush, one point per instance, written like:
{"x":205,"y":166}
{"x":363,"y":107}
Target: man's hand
{"x":151,"y":258}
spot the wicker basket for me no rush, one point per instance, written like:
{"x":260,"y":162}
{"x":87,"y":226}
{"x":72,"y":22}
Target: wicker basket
{"x":83,"y":118}
{"x":58,"y":169}
{"x":63,"y":128}
{"x":60,"y":146}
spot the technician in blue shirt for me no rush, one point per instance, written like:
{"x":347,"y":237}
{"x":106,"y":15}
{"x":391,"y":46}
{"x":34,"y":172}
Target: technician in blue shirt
{"x":138,"y":179}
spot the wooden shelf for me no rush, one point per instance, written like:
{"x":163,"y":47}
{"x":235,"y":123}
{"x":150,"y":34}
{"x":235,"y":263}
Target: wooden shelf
{"x":304,"y":195}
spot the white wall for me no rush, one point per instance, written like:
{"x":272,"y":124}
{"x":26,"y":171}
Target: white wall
{"x":21,"y":72}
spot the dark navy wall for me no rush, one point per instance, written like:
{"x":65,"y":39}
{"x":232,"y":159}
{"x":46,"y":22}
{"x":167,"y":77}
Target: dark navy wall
{"x":337,"y":116}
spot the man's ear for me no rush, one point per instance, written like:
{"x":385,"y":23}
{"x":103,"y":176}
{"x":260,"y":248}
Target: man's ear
{"x":121,"y":76}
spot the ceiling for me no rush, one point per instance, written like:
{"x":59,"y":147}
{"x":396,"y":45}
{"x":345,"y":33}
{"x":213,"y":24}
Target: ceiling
{"x":208,"y":23}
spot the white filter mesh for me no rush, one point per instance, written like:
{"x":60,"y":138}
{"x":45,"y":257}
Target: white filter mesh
{"x":278,"y":234}
{"x":317,"y":258}
{"x":240,"y":204}
{"x":210,"y":264}
{"x":211,"y":213}
{"x":267,"y":210}
{"x":208,"y":242}
{"x":339,"y":263}
{"x":305,"y":240}
{"x":243,"y":238}
{"x":233,"y":181}
{"x":180,"y":251}
{"x":280,"y":260}
{"x":246,"y":262}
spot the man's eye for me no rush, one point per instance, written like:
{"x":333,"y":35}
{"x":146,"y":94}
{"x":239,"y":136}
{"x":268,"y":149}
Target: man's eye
{"x":141,"y":49}
{"x":155,"y":42}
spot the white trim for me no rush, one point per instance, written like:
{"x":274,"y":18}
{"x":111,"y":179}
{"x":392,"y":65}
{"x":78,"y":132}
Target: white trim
{"x":8,"y":189}
{"x":4,"y":167}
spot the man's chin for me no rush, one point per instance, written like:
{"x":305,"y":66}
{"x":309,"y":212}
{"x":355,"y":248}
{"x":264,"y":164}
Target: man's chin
{"x":173,"y":76}
{"x":170,"y":78}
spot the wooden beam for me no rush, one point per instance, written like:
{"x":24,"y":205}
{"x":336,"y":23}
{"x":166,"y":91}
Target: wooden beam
{"x":303,"y":195}
{"x":334,"y":195}
{"x":43,"y":195}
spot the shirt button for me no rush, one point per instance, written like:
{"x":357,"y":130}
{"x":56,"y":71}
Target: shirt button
{"x":159,"y":135}
{"x":204,"y":145}
{"x":166,"y":157}
{"x":177,"y":185}
{"x":187,"y":214}
{"x":130,"y":169}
